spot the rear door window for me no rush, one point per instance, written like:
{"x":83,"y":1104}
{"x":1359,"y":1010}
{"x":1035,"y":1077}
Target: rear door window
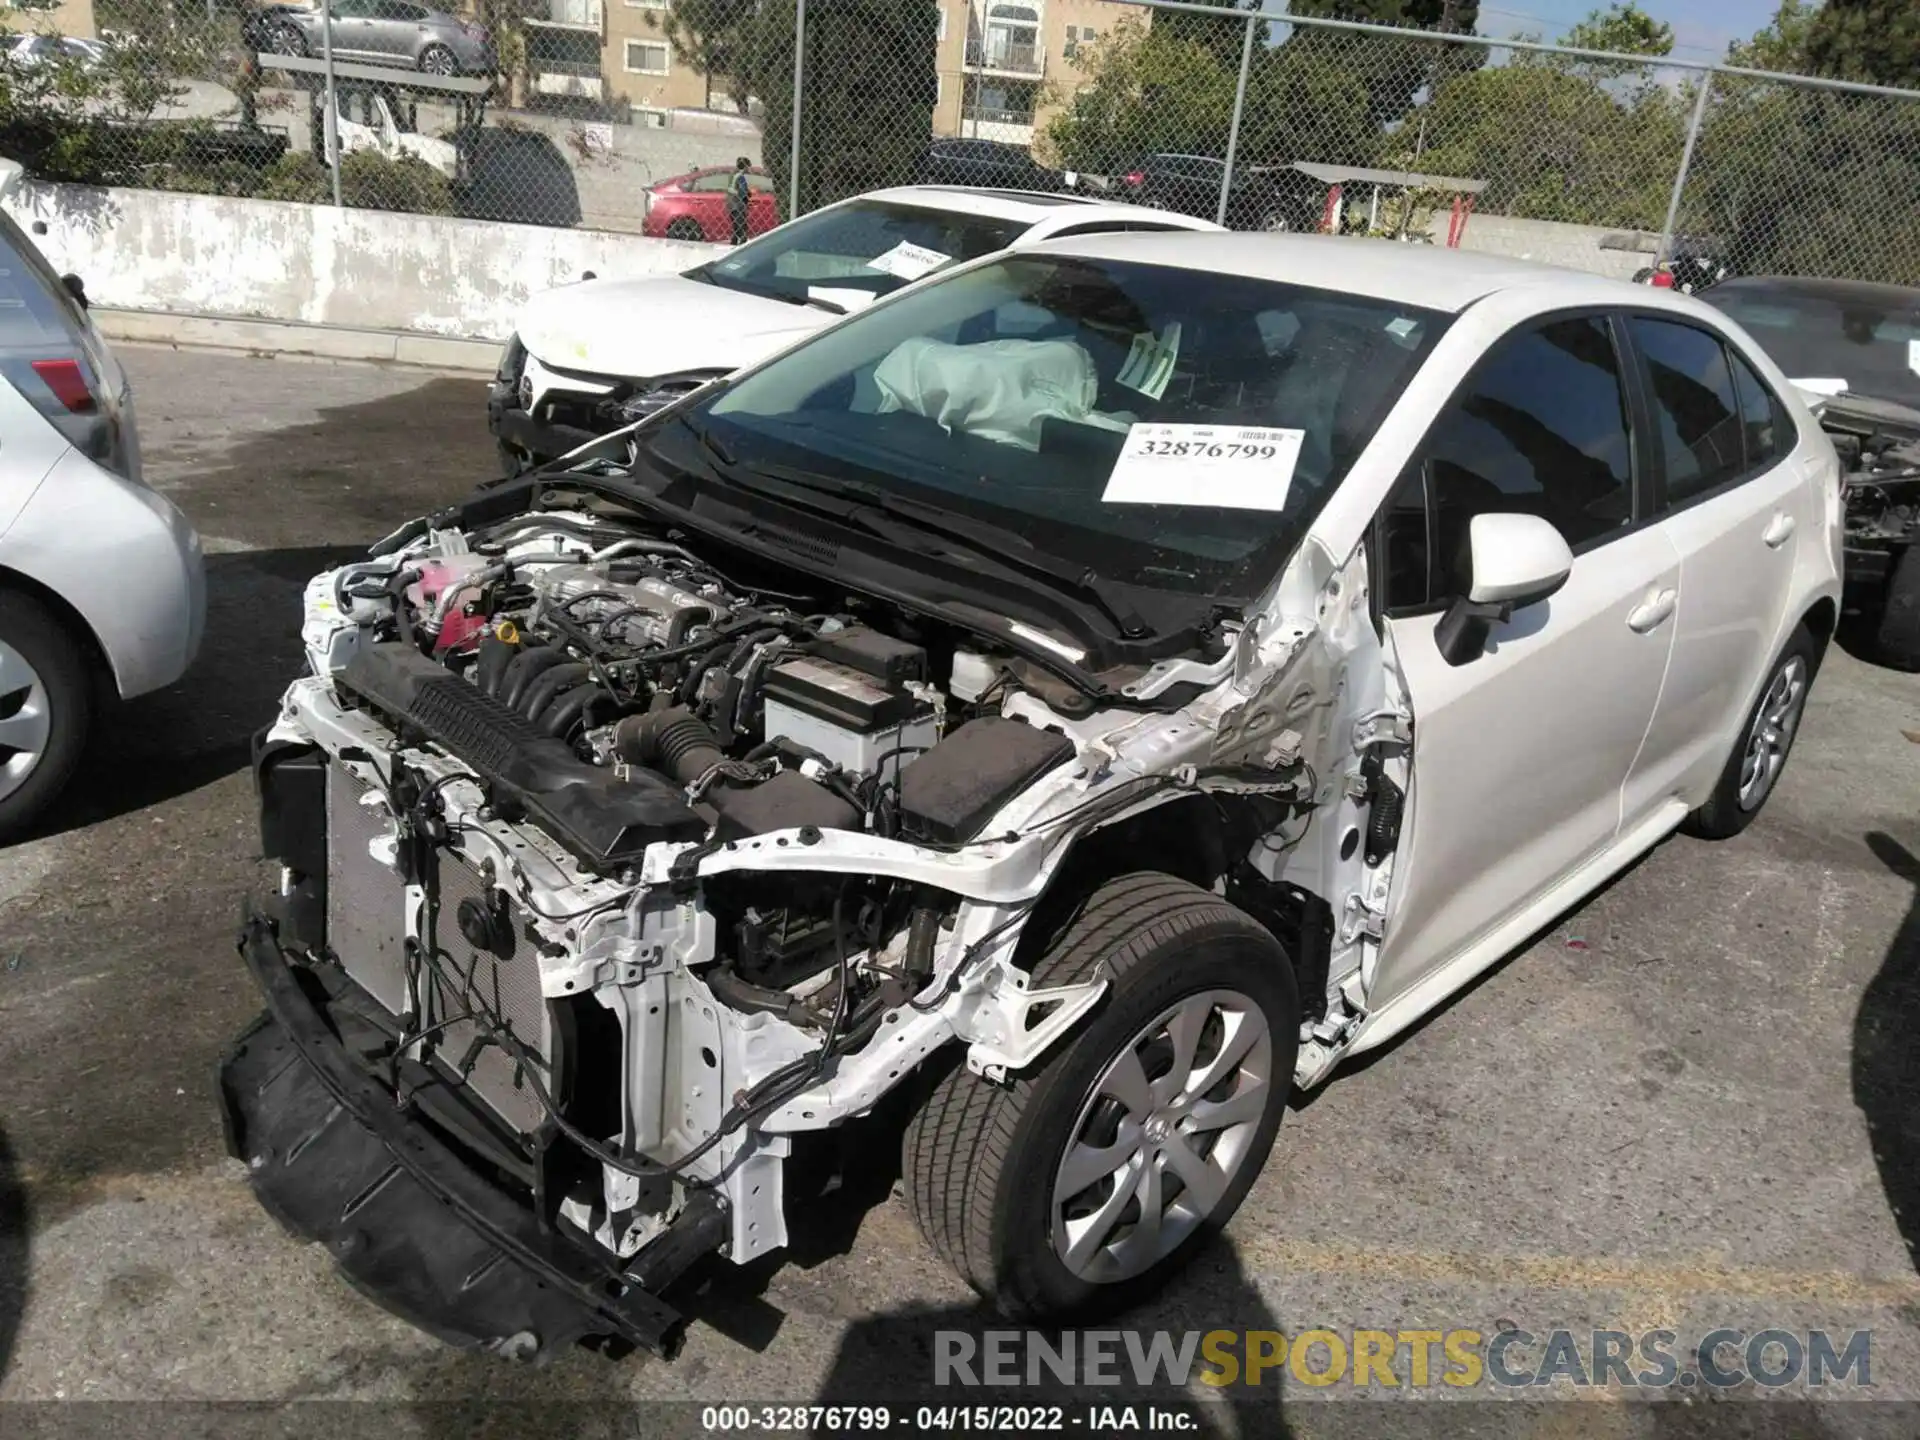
{"x":1763,"y":419}
{"x":1696,"y":414}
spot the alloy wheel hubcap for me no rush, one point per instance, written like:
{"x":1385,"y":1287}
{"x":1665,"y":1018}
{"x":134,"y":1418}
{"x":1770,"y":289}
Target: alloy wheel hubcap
{"x":1771,"y":734}
{"x":25,"y":723}
{"x":1162,"y":1135}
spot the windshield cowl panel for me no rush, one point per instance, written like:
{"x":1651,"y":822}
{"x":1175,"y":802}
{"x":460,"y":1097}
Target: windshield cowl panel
{"x":1152,"y":437}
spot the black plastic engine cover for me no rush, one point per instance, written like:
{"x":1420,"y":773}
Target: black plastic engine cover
{"x":598,"y":816}
{"x":951,"y":791}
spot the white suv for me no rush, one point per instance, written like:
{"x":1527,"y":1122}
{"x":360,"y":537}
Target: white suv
{"x":589,"y":358}
{"x":1113,"y":681}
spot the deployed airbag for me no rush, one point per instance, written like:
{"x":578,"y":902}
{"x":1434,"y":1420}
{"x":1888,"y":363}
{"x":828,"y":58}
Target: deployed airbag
{"x":999,"y":389}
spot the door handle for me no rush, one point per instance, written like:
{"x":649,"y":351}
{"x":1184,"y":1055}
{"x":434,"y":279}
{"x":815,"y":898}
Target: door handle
{"x":1649,"y":613}
{"x":1780,"y":530}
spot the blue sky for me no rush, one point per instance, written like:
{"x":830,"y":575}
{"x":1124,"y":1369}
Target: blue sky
{"x":1701,"y":28}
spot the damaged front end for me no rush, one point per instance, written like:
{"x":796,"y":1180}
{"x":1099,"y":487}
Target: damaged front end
{"x":1879,"y":447}
{"x":606,"y":875}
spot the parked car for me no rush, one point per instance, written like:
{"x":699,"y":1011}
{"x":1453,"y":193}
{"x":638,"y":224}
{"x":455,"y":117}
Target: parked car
{"x":383,"y":135}
{"x":518,"y":176}
{"x":1854,"y":348}
{"x":377,"y":32}
{"x":1010,"y":698}
{"x":102,"y":595}
{"x":1261,"y":197}
{"x":592,"y":357}
{"x":28,"y":51}
{"x":988,"y":165}
{"x":694,"y":206}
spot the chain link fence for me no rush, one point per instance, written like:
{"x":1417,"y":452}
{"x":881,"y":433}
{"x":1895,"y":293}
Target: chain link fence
{"x":633,"y":115}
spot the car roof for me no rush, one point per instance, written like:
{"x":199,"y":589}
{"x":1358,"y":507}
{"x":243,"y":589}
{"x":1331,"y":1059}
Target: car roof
{"x":979,"y":200}
{"x":1430,"y":277}
{"x":1031,"y":207}
{"x":1840,"y":291}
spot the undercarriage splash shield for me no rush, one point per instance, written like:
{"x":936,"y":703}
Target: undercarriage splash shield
{"x":407,"y":1220}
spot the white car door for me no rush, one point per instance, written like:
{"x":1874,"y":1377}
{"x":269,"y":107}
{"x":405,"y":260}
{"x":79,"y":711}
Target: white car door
{"x":1520,"y":753}
{"x":1733,"y":498}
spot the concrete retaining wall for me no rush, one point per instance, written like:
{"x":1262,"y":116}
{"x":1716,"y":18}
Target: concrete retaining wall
{"x":1550,"y":242}
{"x":368,"y":269}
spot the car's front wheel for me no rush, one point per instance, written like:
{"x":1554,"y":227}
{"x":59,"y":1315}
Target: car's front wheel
{"x":46,"y":709}
{"x":438,"y":60}
{"x":1087,"y":1181}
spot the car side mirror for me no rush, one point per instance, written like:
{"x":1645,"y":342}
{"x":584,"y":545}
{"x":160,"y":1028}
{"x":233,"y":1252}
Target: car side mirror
{"x":1513,"y":561}
{"x":77,"y":288}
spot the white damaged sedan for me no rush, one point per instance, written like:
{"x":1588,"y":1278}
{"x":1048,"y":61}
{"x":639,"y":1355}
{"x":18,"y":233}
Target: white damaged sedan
{"x":1093,"y":692}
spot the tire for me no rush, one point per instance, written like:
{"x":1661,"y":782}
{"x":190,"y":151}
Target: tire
{"x":1896,"y":635}
{"x":1274,"y":222}
{"x":982,"y":1161}
{"x":438,"y":60}
{"x":285,"y":39}
{"x":685,"y":229}
{"x":1731,"y":807}
{"x":46,"y":709}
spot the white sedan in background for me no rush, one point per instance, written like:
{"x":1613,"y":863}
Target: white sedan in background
{"x":588,"y":358}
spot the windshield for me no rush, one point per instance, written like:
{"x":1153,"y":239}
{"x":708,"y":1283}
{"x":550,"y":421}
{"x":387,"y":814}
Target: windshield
{"x":858,"y":252}
{"x":1009,"y":393}
{"x":1873,"y":347}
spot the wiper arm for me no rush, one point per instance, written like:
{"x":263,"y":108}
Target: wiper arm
{"x":998,"y":543}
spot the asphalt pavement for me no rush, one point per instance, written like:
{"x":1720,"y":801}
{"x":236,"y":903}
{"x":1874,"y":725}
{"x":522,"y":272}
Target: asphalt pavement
{"x":1689,"y":1105}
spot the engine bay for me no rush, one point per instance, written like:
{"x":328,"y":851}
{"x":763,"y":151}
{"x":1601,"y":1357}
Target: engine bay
{"x":627,"y":866}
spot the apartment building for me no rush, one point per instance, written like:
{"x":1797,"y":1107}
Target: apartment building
{"x":1003,"y":63}
{"x":611,"y":50}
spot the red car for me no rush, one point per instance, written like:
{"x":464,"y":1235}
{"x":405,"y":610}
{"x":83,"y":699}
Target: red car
{"x":694,"y":206}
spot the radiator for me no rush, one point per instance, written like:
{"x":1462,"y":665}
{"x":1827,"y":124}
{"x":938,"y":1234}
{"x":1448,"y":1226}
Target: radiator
{"x":366,"y":928}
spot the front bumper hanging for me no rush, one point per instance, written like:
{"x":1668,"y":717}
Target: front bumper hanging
{"x":414,"y":1227}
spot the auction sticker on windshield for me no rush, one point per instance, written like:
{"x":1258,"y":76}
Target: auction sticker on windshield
{"x":1234,"y":467}
{"x":908,"y":261}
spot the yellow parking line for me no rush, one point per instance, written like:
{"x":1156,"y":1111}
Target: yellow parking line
{"x":1830,"y":1288}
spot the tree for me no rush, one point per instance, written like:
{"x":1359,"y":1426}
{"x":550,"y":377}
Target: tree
{"x":717,"y":38}
{"x":867,"y":109}
{"x":1877,"y":41}
{"x":1781,"y":44}
{"x":1147,"y":88}
{"x":1395,"y":71}
{"x":1554,"y":144}
{"x":1623,"y":28}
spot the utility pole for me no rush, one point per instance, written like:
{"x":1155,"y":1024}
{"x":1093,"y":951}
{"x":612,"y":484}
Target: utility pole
{"x":1445,"y":27}
{"x":966,"y":74}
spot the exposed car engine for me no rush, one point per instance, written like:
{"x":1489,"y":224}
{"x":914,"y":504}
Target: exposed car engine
{"x":624,"y":870}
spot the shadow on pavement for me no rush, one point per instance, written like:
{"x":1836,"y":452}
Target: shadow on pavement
{"x":1886,"y":1060}
{"x":14,"y":1239}
{"x":200,"y":730}
{"x":897,"y":1358}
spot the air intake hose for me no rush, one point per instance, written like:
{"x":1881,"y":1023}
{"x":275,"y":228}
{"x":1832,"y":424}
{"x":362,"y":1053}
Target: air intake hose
{"x":674,"y":741}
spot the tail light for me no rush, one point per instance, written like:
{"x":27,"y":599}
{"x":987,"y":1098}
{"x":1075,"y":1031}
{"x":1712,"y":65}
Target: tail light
{"x":70,"y":394}
{"x":1135,"y":177}
{"x":68,"y":382}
